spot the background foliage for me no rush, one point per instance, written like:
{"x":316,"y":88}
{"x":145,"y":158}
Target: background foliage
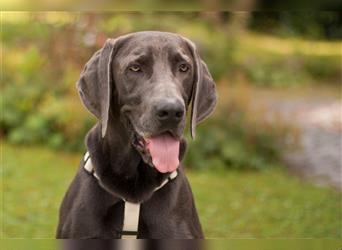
{"x":46,"y":52}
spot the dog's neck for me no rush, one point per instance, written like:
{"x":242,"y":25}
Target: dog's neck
{"x":116,"y":148}
{"x":119,"y":165}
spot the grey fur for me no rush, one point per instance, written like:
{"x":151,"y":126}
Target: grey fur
{"x":124,"y":103}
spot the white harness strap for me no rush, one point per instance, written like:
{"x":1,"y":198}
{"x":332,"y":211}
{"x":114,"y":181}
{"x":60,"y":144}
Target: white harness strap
{"x":88,"y":165}
{"x":132,"y":210}
{"x":131,"y":220}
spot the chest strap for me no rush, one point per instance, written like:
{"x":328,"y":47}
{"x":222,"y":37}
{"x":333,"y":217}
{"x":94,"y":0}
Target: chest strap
{"x":132,"y":210}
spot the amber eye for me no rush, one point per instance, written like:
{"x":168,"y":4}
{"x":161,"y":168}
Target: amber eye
{"x":183,"y":67}
{"x":135,"y":68}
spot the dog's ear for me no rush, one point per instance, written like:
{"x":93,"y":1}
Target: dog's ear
{"x":203,"y":96}
{"x":96,"y":81}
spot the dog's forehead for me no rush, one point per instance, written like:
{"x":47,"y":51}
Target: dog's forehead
{"x":145,"y":43}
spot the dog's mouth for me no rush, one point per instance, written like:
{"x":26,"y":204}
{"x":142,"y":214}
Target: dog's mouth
{"x":160,"y":151}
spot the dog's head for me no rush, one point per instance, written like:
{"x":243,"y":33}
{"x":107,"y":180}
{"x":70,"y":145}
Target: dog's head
{"x":148,"y":80}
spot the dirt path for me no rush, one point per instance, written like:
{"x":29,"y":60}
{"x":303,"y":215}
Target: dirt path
{"x":319,"y":118}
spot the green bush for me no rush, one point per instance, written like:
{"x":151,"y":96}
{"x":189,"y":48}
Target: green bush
{"x":234,"y":141}
{"x":326,"y":68}
{"x":35,"y":102}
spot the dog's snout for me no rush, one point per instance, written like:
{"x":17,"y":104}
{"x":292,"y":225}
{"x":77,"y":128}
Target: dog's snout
{"x":169,"y":110}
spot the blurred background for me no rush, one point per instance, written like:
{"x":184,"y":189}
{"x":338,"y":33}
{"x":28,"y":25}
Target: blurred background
{"x":267,"y":164}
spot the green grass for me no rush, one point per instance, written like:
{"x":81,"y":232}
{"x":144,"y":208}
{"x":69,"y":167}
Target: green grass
{"x":231,"y":204}
{"x":265,"y":204}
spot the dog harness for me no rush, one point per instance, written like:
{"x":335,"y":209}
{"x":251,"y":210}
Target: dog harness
{"x":131,"y":210}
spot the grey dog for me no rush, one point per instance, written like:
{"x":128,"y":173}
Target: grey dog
{"x":140,"y":87}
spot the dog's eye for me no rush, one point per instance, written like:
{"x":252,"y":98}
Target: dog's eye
{"x":183,"y":67}
{"x":135,"y":68}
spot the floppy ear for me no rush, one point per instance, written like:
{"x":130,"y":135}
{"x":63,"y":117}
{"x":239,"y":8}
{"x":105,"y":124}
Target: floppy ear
{"x":203,"y":96}
{"x":96,"y":81}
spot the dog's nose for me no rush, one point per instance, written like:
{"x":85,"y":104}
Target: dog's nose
{"x":169,"y":110}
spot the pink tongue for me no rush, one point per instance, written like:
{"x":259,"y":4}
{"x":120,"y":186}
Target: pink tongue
{"x":164,"y":150}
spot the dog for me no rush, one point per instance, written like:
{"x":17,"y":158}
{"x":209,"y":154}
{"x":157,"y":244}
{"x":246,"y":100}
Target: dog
{"x":140,"y":87}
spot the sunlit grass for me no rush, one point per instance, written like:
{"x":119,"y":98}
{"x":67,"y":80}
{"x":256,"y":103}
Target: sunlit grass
{"x":265,"y":204}
{"x":231,"y":204}
{"x":286,"y":46}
